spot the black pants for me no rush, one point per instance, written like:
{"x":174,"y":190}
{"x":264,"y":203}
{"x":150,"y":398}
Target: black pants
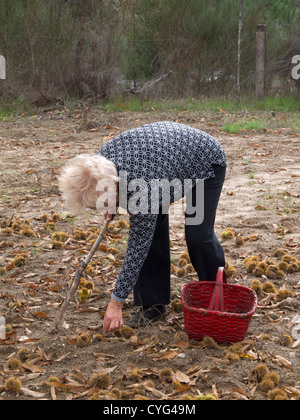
{"x":206,"y":253}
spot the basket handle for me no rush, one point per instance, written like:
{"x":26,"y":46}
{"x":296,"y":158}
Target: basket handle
{"x":217,"y":301}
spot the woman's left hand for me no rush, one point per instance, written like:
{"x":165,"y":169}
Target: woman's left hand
{"x":113,"y":319}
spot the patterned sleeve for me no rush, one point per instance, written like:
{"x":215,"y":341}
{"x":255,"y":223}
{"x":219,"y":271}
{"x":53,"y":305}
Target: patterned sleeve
{"x":142,"y":229}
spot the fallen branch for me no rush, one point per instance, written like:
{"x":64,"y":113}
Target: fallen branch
{"x":79,"y":273}
{"x":148,"y":85}
{"x":275,"y":305}
{"x":268,"y":299}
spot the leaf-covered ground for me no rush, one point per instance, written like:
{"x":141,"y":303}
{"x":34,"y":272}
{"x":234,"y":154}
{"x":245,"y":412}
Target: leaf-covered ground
{"x":41,"y":246}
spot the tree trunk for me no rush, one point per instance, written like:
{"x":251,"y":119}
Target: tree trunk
{"x":80,"y":44}
{"x":298,"y":88}
{"x":239,"y":51}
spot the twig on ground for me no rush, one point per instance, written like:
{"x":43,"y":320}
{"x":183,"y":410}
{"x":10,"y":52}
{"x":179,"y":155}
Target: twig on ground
{"x":79,"y":273}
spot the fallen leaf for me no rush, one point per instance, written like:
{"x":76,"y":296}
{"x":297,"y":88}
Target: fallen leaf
{"x":102,"y":357}
{"x":182,"y":377}
{"x":87,"y":310}
{"x":69,"y":387}
{"x":183,"y":345}
{"x":25,"y":340}
{"x":170,"y":355}
{"x":62,"y":358}
{"x":29,"y":377}
{"x":156,"y":393}
{"x":240,"y":391}
{"x":294,"y":392}
{"x":143,"y":348}
{"x":183,"y":388}
{"x":281,"y":361}
{"x":30,"y":275}
{"x":296,"y":344}
{"x":238,"y":396}
{"x":33,"y":368}
{"x":41,"y":315}
{"x":30,"y":393}
{"x":133,"y":340}
{"x":53,"y":393}
{"x":260,"y":208}
{"x":253,"y":238}
{"x":10,"y":267}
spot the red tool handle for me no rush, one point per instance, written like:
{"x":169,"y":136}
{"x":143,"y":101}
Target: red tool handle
{"x":217,"y":301}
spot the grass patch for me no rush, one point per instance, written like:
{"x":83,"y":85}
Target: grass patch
{"x":218,"y":105}
{"x":279,"y":104}
{"x":5,"y":112}
{"x":237,"y":127}
{"x":176,"y":105}
{"x":12,"y":108}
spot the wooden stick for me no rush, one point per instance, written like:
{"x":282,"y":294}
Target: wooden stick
{"x":148,"y":85}
{"x":79,"y":273}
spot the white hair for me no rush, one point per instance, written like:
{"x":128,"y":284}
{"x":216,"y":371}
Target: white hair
{"x":84,"y":178}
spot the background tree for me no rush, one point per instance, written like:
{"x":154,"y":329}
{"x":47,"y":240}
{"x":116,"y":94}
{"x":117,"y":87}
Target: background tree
{"x":99,"y":48}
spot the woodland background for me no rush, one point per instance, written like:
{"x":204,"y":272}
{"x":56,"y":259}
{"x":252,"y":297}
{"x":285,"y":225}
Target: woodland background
{"x":96,"y":68}
{"x":103,"y":49}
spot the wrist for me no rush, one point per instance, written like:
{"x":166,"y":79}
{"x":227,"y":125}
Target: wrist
{"x":116,"y":303}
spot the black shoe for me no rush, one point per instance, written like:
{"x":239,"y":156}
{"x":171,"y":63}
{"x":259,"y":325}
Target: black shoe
{"x":147,"y":316}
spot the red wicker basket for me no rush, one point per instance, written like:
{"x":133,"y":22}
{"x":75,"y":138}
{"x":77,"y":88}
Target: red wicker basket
{"x":218,"y":310}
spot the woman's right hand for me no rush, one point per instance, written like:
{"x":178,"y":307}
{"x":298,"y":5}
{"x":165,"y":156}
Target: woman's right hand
{"x":113,"y":319}
{"x":108,"y":217}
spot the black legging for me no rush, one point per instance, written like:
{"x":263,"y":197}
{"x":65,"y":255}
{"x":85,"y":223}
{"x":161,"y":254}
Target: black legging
{"x":206,"y":253}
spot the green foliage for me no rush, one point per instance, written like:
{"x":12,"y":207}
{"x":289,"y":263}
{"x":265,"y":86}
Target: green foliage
{"x":235,"y":128}
{"x":95,"y":48}
{"x":282,"y":12}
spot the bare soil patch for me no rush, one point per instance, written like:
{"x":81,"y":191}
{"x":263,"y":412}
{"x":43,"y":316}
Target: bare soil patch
{"x":260,"y":203}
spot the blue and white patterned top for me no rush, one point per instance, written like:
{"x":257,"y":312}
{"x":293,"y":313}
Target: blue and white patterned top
{"x":163,"y":150}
